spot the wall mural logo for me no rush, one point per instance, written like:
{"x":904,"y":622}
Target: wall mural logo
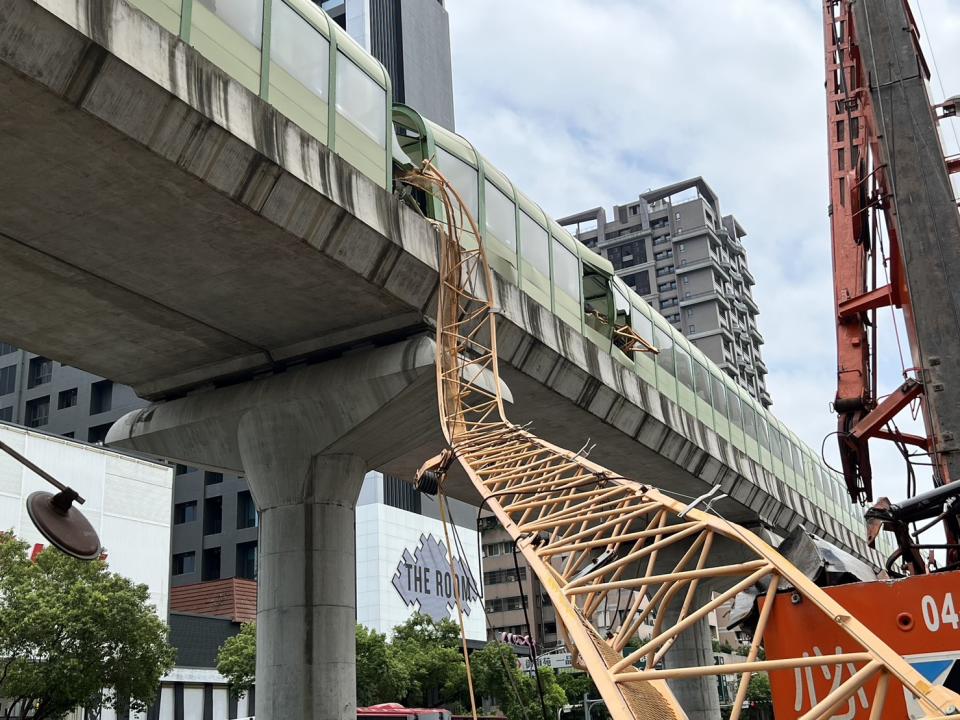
{"x":424,"y":578}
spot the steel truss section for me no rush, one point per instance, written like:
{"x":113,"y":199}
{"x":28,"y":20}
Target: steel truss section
{"x":596,"y":539}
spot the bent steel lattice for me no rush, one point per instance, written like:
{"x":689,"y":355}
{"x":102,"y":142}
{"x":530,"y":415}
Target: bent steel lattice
{"x":595,"y":538}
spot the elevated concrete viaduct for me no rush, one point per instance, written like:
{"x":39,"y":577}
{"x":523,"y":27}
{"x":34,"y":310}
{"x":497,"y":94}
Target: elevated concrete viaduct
{"x":276,"y":305}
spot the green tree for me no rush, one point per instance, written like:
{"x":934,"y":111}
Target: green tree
{"x":429,"y":655}
{"x":237,"y":660}
{"x":381,"y":674}
{"x":496,"y":675}
{"x":575,"y":685}
{"x":73,"y":634}
{"x":759,"y":688}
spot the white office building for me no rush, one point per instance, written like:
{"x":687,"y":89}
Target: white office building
{"x":402,"y":560}
{"x":127,"y":502}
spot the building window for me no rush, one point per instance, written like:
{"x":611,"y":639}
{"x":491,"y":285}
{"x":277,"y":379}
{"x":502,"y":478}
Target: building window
{"x":246,"y":511}
{"x":299,"y":49}
{"x":98,"y":433}
{"x":8,"y":379}
{"x":184,"y":563}
{"x":101,"y":396}
{"x":6,"y":348}
{"x":212,"y":478}
{"x":361,"y":100}
{"x":213,"y":515}
{"x":40,"y":372}
{"x":67,"y":399}
{"x":247,"y":560}
{"x":184,"y":512}
{"x":245,"y":17}
{"x":181,"y":469}
{"x":641,"y":283}
{"x":400,"y":494}
{"x":210,"y":568}
{"x":6,"y":413}
{"x":38,"y":411}
{"x":499,"y":548}
{"x":486,"y":523}
{"x":495,"y":577}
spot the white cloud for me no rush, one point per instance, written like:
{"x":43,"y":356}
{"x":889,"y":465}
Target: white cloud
{"x":586,"y":103}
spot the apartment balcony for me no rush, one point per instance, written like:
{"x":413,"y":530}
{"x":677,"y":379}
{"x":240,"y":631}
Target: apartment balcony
{"x":765,"y":398}
{"x":713,"y":295}
{"x":735,"y":274}
{"x":751,"y":303}
{"x":755,"y":334}
{"x":632,"y":235}
{"x":736,"y":247}
{"x":739,"y":305}
{"x":701,"y":334}
{"x":761,"y":366}
{"x":695,"y":264}
{"x":747,"y":275}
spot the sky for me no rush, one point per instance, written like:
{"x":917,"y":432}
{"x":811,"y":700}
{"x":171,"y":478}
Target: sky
{"x":587,"y":103}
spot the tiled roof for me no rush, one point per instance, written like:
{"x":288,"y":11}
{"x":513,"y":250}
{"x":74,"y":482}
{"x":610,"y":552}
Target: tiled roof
{"x":234,"y":599}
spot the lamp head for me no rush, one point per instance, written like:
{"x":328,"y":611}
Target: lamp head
{"x":64,"y":525}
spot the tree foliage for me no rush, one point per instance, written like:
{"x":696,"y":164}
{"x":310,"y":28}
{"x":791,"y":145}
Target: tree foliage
{"x":73,"y":634}
{"x":422,"y":666}
{"x":382,"y":676}
{"x":237,"y":660}
{"x":576,"y":685}
{"x":759,"y":688}
{"x":497,"y":675}
{"x":429,"y":655}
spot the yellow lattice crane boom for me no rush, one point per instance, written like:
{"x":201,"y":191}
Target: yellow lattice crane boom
{"x":594,"y":537}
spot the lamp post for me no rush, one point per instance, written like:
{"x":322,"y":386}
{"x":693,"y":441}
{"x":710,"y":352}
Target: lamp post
{"x":55,"y":516}
{"x":587,"y":704}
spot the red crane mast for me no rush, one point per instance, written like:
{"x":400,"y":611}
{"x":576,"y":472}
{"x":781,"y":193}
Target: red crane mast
{"x":892,"y":212}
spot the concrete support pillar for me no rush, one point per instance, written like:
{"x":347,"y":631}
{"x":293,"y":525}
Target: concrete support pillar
{"x":699,"y":697}
{"x":304,"y":439}
{"x":306,"y":596}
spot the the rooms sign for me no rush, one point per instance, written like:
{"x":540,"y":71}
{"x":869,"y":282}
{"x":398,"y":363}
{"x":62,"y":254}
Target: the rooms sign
{"x":424,"y":579}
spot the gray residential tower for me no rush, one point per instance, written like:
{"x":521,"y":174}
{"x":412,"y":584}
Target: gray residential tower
{"x":673,"y":247}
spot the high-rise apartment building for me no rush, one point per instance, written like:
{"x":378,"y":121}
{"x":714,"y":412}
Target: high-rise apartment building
{"x":675,"y":249}
{"x":41,"y":393}
{"x":412,"y":39}
{"x":504,"y":595}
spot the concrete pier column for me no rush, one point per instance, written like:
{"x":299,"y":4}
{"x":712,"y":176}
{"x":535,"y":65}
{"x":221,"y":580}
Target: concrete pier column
{"x":699,"y":697}
{"x":306,"y":594}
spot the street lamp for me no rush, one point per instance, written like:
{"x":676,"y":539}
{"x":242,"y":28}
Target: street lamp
{"x":587,"y":704}
{"x":55,"y":516}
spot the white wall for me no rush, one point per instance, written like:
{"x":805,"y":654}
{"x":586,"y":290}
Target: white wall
{"x":127,"y":501}
{"x":383,"y":534}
